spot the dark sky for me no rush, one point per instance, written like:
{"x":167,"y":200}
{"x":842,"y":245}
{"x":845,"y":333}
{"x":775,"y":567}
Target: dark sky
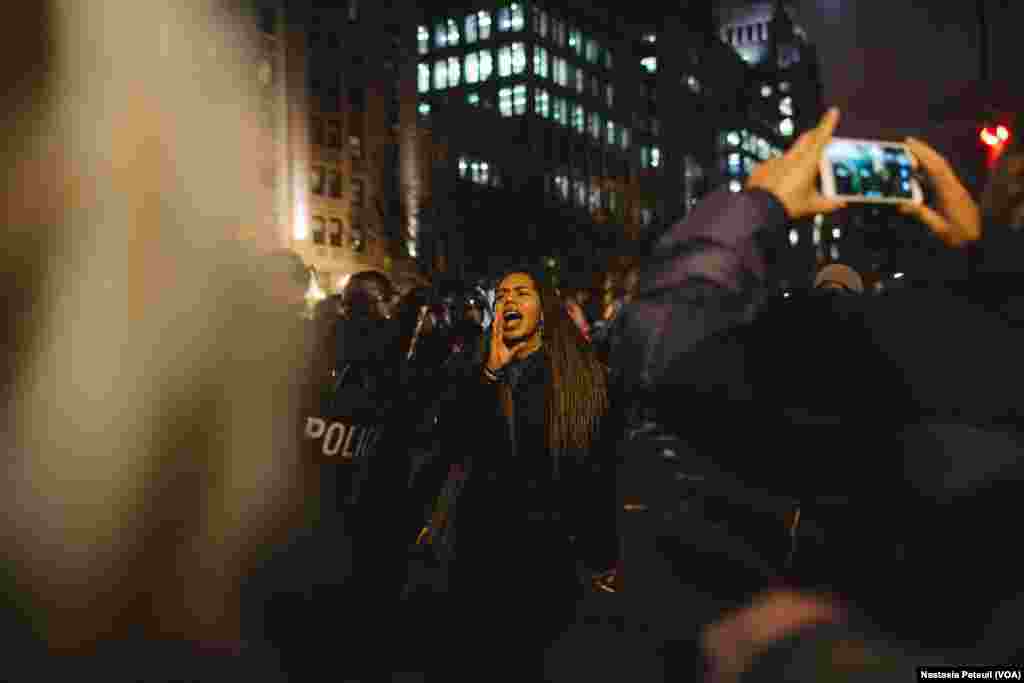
{"x":887,"y":62}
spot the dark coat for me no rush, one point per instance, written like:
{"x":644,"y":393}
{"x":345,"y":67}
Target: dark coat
{"x":522,"y":531}
{"x":907,"y":403}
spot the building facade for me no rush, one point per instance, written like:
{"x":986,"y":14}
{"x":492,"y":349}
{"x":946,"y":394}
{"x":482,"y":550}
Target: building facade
{"x":615,"y":126}
{"x":533,"y":99}
{"x":339,"y":97}
{"x":780,"y":98}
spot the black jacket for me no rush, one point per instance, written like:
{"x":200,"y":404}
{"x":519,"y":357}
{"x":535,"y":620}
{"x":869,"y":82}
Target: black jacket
{"x":514,"y":508}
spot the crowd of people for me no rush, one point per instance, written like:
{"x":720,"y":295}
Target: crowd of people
{"x":207,"y":483}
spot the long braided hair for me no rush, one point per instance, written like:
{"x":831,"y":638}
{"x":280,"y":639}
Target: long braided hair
{"x":576,"y":396}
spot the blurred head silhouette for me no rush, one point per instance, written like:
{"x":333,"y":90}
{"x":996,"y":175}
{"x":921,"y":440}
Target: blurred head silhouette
{"x":839,"y":278}
{"x":147,"y":457}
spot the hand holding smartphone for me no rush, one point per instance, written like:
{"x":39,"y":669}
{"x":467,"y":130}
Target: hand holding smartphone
{"x":869,"y":171}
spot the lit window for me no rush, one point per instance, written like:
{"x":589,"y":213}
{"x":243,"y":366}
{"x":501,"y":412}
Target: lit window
{"x":580,"y":191}
{"x":440,"y":74}
{"x":646,"y":216}
{"x":693,"y":84}
{"x":834,"y":253}
{"x":562,"y":183}
{"x":655,"y":157}
{"x":486,"y":65}
{"x":483,"y":20}
{"x":607,"y":59}
{"x":518,"y":58}
{"x":485,"y":172}
{"x":595,"y":125}
{"x":353,"y":10}
{"x":733,"y":138}
{"x":356,"y":238}
{"x":786,"y":127}
{"x":316,"y":180}
{"x":558,"y":69}
{"x":504,"y":19}
{"x":453,"y":32}
{"x":651,"y":38}
{"x":735,"y":186}
{"x":473,"y":99}
{"x":580,"y":78}
{"x":518,"y":17}
{"x":505,"y":101}
{"x":645,"y":156}
{"x":786,"y":106}
{"x":424,"y":77}
{"x":897,"y":276}
{"x":423,"y":108}
{"x":819,"y":219}
{"x":836,"y":233}
{"x":609,"y":91}
{"x":540,"y":22}
{"x":542,"y":103}
{"x":655,"y":127}
{"x":505,"y":61}
{"x":423,"y":39}
{"x":650,"y":63}
{"x":766,"y":91}
{"x":734,"y":161}
{"x":784,"y":86}
{"x":558,"y":31}
{"x":575,"y":41}
{"x":334,"y":134}
{"x":453,"y":71}
{"x":519,"y":99}
{"x":624,"y":136}
{"x":595,"y":197}
{"x":610,"y":132}
{"x":540,"y":62}
{"x":471,"y":32}
{"x":440,"y":35}
{"x":577,"y":118}
{"x":816,"y":235}
{"x":558,"y":110}
{"x":592,"y":51}
{"x":472,"y":67}
{"x":794,"y":237}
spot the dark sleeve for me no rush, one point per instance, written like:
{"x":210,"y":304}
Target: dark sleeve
{"x":595,"y":517}
{"x":702,"y":277}
{"x":998,"y":252}
{"x":468,"y":408}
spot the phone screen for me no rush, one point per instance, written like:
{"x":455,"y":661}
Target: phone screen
{"x":870,"y":169}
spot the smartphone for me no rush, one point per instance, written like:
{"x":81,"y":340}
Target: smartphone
{"x":869,"y":171}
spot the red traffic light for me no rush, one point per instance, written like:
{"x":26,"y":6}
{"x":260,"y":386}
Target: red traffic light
{"x":995,"y":136}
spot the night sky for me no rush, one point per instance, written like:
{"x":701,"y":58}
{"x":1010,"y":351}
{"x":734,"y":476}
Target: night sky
{"x":885,"y":63}
{"x":888,"y":63}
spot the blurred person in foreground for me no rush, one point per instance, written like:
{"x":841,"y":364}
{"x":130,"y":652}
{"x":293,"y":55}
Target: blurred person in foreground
{"x":531,"y":435}
{"x":943,"y":380}
{"x":153,"y":389}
